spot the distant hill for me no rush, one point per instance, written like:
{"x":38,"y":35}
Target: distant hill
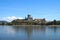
{"x":3,"y":22}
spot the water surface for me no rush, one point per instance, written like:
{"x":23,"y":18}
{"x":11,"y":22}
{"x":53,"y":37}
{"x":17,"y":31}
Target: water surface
{"x":29,"y":32}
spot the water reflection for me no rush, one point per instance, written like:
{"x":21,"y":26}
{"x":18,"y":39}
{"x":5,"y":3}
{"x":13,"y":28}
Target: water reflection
{"x":30,"y":32}
{"x":54,"y":28}
{"x":6,"y":30}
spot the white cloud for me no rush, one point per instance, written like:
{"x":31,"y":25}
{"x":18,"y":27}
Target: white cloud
{"x":10,"y":18}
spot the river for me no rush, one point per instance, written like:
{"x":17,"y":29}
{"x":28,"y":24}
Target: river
{"x":29,"y":32}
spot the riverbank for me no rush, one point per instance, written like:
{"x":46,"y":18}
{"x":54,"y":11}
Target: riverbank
{"x":31,"y":25}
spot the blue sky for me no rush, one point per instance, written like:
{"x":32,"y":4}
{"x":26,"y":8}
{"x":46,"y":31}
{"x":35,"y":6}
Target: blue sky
{"x":48,"y":9}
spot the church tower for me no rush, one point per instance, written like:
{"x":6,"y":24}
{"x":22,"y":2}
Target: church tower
{"x":29,"y":17}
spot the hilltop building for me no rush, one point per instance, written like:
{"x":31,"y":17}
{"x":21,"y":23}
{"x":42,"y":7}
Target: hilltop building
{"x":29,"y":20}
{"x":40,"y":20}
{"x":29,"y":17}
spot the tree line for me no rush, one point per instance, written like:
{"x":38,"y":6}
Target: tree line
{"x":24,"y":22}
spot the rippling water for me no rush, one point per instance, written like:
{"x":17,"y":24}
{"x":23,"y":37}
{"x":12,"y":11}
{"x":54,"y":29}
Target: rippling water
{"x":29,"y":32}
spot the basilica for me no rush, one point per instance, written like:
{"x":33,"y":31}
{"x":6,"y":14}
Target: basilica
{"x":29,"y":20}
